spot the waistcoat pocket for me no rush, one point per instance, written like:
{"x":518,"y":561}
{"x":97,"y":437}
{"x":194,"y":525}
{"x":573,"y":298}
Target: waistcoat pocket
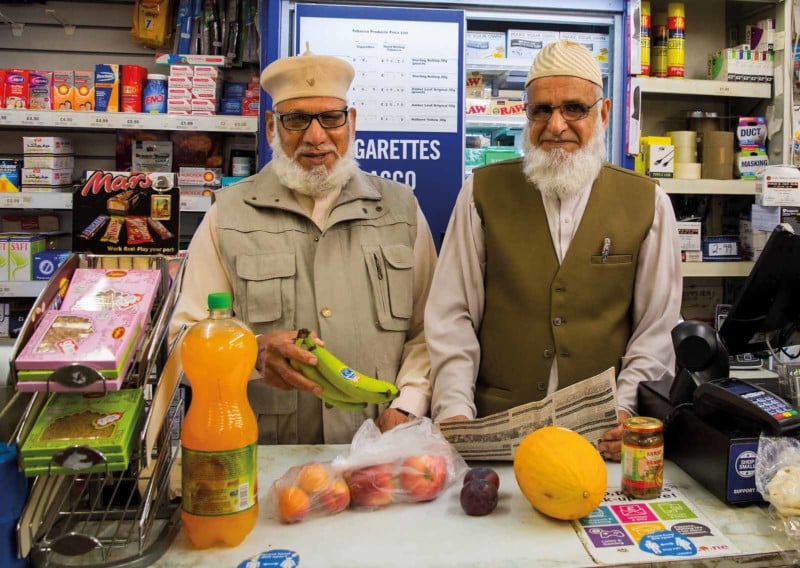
{"x":269,"y":287}
{"x":391,"y":280}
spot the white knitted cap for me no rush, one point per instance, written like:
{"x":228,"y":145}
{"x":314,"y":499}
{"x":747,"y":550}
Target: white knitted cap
{"x":565,"y":58}
{"x":307,"y":75}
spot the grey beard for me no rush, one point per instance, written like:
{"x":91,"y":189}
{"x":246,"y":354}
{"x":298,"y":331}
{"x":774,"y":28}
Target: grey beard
{"x":317,"y":181}
{"x":561,"y":174}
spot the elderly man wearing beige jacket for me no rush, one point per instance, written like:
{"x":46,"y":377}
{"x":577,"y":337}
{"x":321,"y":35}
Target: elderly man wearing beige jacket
{"x":313,"y":242}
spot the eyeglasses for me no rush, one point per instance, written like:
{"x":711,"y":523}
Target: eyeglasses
{"x":302,"y":120}
{"x":569,"y":111}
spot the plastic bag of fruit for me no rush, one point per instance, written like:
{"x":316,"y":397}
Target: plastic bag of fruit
{"x":410,"y":463}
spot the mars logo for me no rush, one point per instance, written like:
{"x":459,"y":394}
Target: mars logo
{"x":746,"y":464}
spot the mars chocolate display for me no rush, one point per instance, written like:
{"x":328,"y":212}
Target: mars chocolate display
{"x":126,"y":213}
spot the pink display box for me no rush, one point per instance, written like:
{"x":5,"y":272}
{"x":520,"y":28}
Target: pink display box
{"x":105,"y":341}
{"x":98,"y":289}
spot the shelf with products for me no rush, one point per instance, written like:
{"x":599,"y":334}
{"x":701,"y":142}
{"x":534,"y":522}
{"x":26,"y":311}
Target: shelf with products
{"x":708,"y":186}
{"x":717,"y":269}
{"x":124,"y":120}
{"x":29,"y":289}
{"x":702,"y":87}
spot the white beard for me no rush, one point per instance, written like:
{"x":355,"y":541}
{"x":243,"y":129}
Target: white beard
{"x":561,"y":174}
{"x":317,"y":181}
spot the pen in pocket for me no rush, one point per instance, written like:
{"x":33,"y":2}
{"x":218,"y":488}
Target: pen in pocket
{"x":378,"y":266}
{"x":606,"y":249}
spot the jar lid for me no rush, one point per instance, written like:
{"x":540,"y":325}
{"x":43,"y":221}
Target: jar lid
{"x":643,"y":424}
{"x":156,"y":77}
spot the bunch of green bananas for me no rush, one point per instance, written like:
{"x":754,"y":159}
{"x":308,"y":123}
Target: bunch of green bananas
{"x":342,"y":387}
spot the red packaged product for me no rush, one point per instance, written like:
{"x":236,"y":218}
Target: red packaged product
{"x":132,"y":85}
{"x":2,"y":88}
{"x":17,"y":83}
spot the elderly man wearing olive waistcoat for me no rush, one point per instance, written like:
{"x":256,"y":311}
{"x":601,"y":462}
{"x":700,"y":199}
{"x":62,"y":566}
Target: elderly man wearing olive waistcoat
{"x":554,"y":267}
{"x":312,"y":242}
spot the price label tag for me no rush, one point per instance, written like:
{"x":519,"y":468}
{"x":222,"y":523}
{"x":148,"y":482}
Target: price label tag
{"x":5,"y":117}
{"x":5,"y":290}
{"x":12,"y":200}
{"x":187,"y":123}
{"x":132,"y":121}
{"x":65,"y":119}
{"x":237,"y":124}
{"x":32,"y":119}
{"x":98,"y":120}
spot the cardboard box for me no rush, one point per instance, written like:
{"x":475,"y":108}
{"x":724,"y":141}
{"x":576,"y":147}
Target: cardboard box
{"x":21,"y":249}
{"x":689,"y":235}
{"x":44,"y":177}
{"x":596,"y":43}
{"x":46,"y":262}
{"x":659,"y":160}
{"x":106,"y":87}
{"x":778,"y":185}
{"x":204,"y":177}
{"x":47,"y":145}
{"x":47,"y":161}
{"x":10,"y":175}
{"x":486,"y":45}
{"x":700,"y":301}
{"x":526,"y":44}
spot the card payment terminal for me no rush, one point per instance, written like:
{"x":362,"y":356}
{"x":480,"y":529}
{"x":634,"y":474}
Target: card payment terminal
{"x":747,"y":402}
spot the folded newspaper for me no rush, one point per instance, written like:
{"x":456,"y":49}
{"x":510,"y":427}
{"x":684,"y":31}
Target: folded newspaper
{"x":588,"y":407}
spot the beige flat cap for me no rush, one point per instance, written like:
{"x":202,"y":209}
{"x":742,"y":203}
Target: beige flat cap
{"x":307,"y":75}
{"x":565,"y":58}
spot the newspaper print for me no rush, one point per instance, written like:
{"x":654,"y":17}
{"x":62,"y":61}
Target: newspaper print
{"x":588,"y":407}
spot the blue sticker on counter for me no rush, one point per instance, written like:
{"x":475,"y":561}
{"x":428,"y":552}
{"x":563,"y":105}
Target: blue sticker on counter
{"x":600,"y":516}
{"x":667,"y":543}
{"x":273,"y":559}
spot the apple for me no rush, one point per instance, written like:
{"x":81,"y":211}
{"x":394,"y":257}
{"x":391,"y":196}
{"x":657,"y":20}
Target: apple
{"x":336,"y":497}
{"x":422,"y":476}
{"x":371,"y":486}
{"x":486,"y":473}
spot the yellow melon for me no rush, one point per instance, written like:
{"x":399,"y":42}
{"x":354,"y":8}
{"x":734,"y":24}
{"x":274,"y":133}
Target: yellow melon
{"x":560,"y":473}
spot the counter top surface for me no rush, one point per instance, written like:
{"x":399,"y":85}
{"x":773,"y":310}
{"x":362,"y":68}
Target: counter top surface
{"x":440,"y":534}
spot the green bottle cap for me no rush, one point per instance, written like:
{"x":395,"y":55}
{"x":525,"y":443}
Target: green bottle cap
{"x":219,"y":301}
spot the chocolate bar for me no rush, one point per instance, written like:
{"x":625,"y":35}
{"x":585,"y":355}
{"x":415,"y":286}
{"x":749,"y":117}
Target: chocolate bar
{"x":159,"y":228}
{"x":123,"y":202}
{"x":112,"y":231}
{"x":94,"y":227}
{"x":137,"y":230}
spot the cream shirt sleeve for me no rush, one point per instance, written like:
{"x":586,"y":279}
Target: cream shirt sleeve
{"x":413,"y":378}
{"x":658,"y":288}
{"x":204,"y":274}
{"x":454,"y":311}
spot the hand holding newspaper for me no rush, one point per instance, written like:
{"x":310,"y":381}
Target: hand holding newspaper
{"x":588,"y":407}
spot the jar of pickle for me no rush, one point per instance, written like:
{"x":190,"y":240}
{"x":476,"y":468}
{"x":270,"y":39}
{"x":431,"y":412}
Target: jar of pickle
{"x":642,"y":457}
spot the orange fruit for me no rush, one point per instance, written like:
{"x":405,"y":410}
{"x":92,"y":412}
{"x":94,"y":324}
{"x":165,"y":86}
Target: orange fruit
{"x":313,"y":477}
{"x":293,"y":504}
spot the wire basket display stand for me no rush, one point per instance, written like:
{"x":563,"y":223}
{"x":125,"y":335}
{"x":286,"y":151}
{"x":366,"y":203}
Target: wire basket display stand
{"x":110,"y":518}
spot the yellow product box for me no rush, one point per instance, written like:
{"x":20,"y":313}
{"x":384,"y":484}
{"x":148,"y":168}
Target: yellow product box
{"x":83,"y":97}
{"x":63,"y":90}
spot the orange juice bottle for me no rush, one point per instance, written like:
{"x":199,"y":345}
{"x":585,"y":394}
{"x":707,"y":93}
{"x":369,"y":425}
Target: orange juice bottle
{"x":219,"y":434}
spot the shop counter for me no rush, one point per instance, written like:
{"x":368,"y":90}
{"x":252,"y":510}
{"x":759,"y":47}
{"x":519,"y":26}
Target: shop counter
{"x":440,"y":534}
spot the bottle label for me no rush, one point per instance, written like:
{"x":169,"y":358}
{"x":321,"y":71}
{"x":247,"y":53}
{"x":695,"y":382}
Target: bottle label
{"x":219,"y":483}
{"x":642,"y":468}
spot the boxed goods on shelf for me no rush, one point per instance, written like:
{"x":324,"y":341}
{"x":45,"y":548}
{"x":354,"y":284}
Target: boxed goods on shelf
{"x":107,"y":424}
